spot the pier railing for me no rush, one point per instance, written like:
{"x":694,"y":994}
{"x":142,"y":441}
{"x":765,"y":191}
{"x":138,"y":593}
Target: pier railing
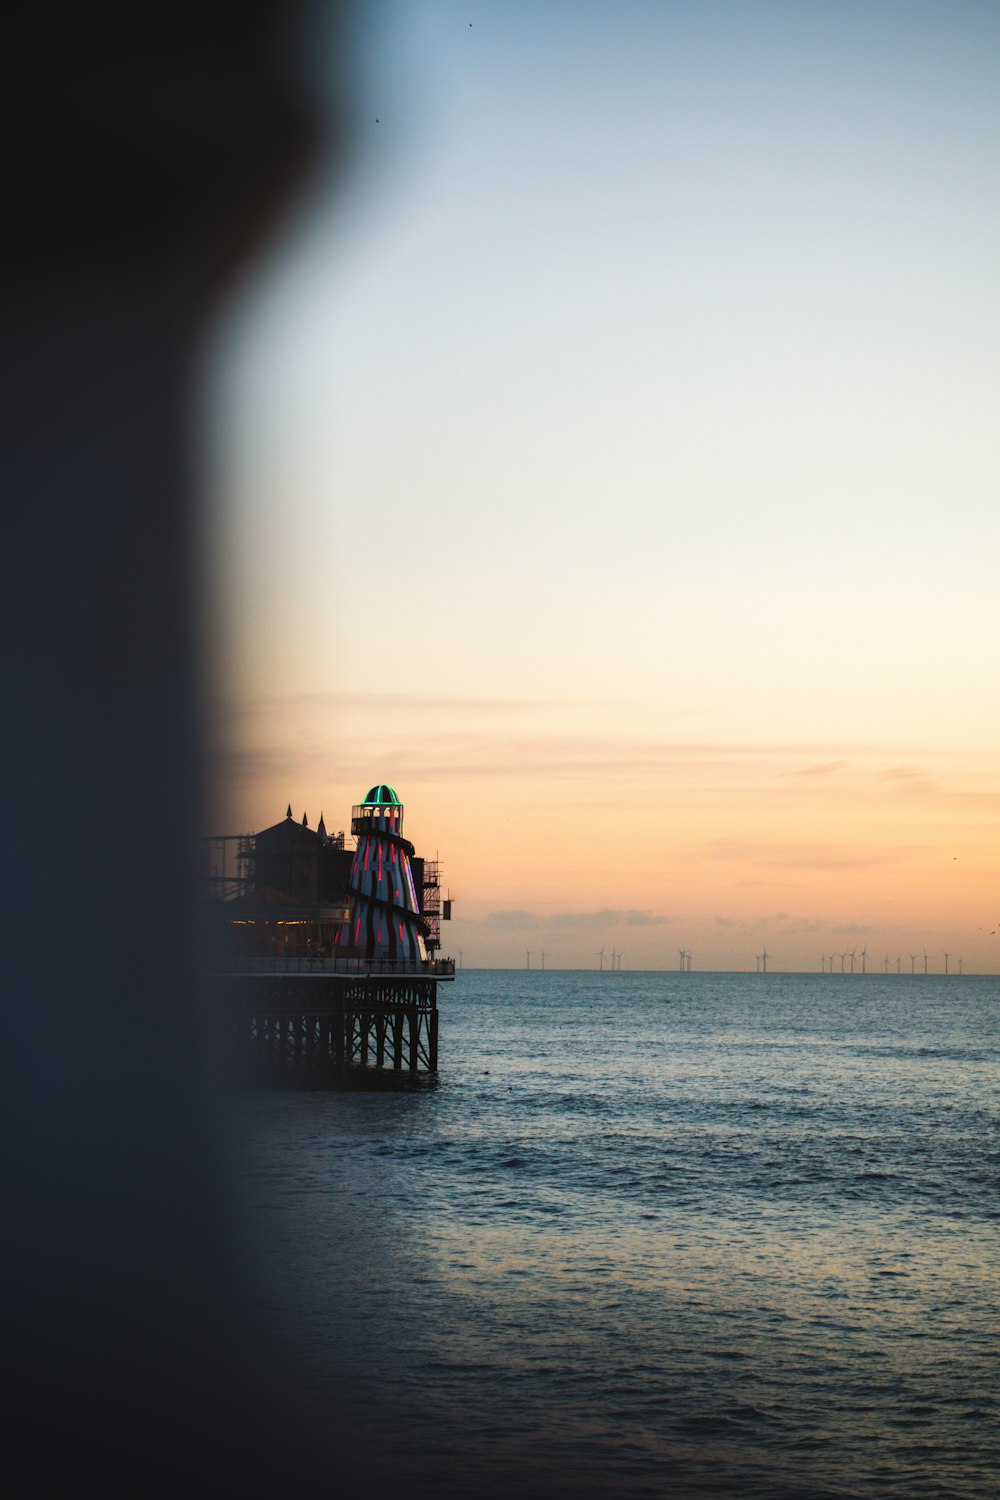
{"x":432,"y":968}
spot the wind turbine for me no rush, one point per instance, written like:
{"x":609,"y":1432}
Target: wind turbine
{"x":960,"y":962}
{"x":601,"y":957}
{"x":864,"y":958}
{"x":885,"y":966}
{"x":619,"y":963}
{"x":925,"y":960}
{"x":899,"y":960}
{"x":614,"y":959}
{"x":757,"y":957}
{"x":832,"y":957}
{"x":843,"y":960}
{"x":683,"y":956}
{"x":527,"y":954}
{"x":764,"y":958}
{"x":543,"y":959}
{"x":945,"y":961}
{"x":459,"y":958}
{"x":853,"y":951}
{"x":913,"y":961}
{"x":688,"y":957}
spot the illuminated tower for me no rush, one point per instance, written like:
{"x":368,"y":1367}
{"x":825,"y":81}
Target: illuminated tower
{"x":384,"y":921}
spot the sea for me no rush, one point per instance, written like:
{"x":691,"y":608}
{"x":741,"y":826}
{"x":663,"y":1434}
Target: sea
{"x":649,"y":1234}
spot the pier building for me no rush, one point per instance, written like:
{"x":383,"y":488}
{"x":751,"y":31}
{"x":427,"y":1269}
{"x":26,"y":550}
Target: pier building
{"x":325,"y":949}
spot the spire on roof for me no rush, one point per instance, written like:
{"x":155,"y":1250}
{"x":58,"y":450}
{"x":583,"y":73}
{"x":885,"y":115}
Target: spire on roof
{"x":288,"y":814}
{"x":305,"y":821}
{"x":321,"y":827}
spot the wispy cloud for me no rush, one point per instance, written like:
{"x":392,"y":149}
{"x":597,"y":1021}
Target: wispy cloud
{"x":802,"y":856}
{"x":606,"y":916}
{"x":335,"y":703}
{"x":788,"y":923}
{"x":245,"y":765}
{"x":451,"y":739}
{"x":908,"y":780}
{"x":827,"y":768}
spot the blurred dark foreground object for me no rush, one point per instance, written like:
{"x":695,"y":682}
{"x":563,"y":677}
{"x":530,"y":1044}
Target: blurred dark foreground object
{"x":147,"y":149}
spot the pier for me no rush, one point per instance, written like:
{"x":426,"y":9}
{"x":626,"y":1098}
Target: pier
{"x":326,"y":971}
{"x":301,"y":1027}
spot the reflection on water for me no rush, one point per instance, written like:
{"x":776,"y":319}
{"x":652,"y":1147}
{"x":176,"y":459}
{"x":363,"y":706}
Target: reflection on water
{"x":653,"y":1234}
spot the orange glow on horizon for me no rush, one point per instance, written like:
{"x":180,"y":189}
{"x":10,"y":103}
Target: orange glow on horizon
{"x":716,"y":848}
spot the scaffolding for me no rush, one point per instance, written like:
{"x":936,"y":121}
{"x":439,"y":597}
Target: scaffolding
{"x":430,"y":904}
{"x":234,"y":870}
{"x":227,"y":865}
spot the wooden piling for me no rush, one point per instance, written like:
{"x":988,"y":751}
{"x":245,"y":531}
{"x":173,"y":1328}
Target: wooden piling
{"x":327,"y":1030}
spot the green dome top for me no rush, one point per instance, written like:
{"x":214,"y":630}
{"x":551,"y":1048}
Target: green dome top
{"x":381,"y":796}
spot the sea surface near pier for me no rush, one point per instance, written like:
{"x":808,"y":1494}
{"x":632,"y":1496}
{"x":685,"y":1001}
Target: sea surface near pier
{"x":650,"y":1235}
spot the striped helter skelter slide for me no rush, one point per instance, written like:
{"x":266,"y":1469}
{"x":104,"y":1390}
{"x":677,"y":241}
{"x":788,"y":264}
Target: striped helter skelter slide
{"x":384,"y":917}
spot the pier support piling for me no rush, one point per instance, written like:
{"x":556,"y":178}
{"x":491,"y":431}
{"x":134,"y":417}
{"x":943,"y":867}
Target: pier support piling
{"x":328,"y":1030}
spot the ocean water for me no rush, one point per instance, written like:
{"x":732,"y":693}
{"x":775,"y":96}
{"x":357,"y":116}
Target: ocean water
{"x":651,"y":1235}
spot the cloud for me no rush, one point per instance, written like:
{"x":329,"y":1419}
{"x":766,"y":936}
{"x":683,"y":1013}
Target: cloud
{"x":828,"y":768}
{"x":392,"y":702}
{"x":800,"y":856}
{"x":300,"y":737}
{"x":246,"y":764}
{"x":606,"y":916}
{"x":791,"y":923}
{"x":510,"y":921}
{"x":908,"y":780}
{"x":787,"y":921}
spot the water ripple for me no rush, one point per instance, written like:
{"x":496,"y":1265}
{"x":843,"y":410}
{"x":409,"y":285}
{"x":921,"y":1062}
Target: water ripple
{"x":743,"y":1245}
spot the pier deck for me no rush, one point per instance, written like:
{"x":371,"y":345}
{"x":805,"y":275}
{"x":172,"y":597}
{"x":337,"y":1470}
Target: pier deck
{"x":311,"y":1023}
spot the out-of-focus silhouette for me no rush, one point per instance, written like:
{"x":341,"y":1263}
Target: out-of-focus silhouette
{"x":148,"y":150}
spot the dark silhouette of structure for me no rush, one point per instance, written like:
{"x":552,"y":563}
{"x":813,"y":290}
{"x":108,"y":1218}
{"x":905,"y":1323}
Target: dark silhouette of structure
{"x":324,"y":965}
{"x":296,"y":884}
{"x":147,"y":151}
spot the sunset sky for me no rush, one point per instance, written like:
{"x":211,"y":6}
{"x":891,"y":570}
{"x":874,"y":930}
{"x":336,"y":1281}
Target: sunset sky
{"x":607,"y":458}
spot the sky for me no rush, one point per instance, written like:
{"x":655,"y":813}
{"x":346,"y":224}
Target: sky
{"x":606,"y":457}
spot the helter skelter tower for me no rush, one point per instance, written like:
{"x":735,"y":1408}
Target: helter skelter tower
{"x":384,"y":921}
